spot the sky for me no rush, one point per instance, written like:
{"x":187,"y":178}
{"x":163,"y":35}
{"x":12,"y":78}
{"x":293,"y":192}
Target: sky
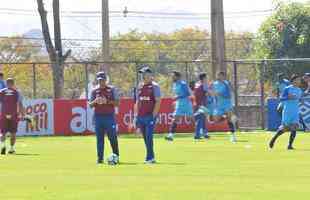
{"x":90,"y":27}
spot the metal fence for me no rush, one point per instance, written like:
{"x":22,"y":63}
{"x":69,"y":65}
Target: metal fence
{"x":248,"y":77}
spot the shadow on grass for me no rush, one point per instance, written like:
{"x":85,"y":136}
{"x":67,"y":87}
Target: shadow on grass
{"x":26,"y":154}
{"x":170,"y":163}
{"x":157,"y":163}
{"x":130,"y":163}
{"x":242,"y":141}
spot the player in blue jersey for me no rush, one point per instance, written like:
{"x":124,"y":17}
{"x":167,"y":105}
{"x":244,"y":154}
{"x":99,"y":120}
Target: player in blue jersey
{"x":183,"y":104}
{"x":281,"y":85}
{"x":222,"y":91}
{"x":290,"y":114}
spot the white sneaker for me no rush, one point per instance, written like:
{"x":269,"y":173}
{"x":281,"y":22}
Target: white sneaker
{"x":152,"y":161}
{"x":233,"y":139}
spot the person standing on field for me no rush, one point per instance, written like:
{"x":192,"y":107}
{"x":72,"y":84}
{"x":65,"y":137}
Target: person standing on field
{"x":104,"y":99}
{"x":147,"y":108}
{"x":12,"y":108}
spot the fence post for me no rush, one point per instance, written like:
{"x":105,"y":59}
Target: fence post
{"x":186,"y":72}
{"x":262,"y":93}
{"x":34,"y":81}
{"x":235,"y":68}
{"x":86,"y":80}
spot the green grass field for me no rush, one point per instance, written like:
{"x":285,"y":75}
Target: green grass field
{"x":64,"y":168}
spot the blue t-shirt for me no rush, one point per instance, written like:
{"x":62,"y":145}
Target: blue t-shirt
{"x":281,"y":85}
{"x":290,"y":114}
{"x":223,"y":89}
{"x":182,"y":92}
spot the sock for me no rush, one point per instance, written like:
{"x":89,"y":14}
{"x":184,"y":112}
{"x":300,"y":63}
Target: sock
{"x":2,"y":144}
{"x":12,"y":148}
{"x":231,"y":127}
{"x":173,"y":128}
{"x":292,"y":138}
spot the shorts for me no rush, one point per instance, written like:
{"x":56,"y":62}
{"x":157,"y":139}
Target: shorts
{"x":289,"y":119}
{"x":184,"y":109}
{"x":220,"y":111}
{"x":8,"y":124}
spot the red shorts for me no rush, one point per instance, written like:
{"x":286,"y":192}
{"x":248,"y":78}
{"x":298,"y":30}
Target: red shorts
{"x":8,"y":124}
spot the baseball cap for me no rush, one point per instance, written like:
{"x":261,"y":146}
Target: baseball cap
{"x":145,"y":70}
{"x":307,"y":74}
{"x":101,"y":76}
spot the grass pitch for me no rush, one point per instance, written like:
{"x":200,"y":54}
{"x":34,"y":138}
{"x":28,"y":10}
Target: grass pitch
{"x":65,"y":168}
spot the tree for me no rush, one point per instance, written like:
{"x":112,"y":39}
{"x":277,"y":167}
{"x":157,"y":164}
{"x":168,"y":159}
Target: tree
{"x":16,"y":50}
{"x":285,"y":34}
{"x":56,"y":56}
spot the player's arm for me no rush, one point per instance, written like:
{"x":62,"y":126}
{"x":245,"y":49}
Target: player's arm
{"x":285,"y":95}
{"x":93,"y":100}
{"x":157,"y":95}
{"x":115,"y":101}
{"x":228,"y":90}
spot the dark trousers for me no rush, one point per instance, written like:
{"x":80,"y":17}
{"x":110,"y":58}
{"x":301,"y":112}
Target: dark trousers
{"x":146,"y":125}
{"x":200,"y":125}
{"x":106,"y":124}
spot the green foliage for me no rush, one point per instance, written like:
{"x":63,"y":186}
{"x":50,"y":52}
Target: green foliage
{"x":16,"y":50}
{"x":175,"y":46}
{"x":286,"y":34}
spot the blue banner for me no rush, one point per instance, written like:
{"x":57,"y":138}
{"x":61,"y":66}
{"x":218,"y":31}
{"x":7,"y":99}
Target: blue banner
{"x":274,"y":118}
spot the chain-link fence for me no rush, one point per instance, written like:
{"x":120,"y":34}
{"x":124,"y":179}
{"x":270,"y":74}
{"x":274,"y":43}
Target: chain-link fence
{"x":252,"y":80}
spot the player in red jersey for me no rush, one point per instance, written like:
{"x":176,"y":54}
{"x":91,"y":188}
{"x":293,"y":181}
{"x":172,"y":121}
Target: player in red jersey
{"x":11,"y":109}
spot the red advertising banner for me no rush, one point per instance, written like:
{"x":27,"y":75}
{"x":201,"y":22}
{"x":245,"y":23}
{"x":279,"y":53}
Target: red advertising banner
{"x":75,"y":117}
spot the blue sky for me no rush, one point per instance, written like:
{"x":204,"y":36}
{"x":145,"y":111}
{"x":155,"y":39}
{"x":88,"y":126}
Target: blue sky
{"x":90,"y":27}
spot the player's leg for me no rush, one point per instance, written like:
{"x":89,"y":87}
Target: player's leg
{"x":173,"y":128}
{"x":204,"y":127}
{"x":199,"y":121}
{"x":99,"y":129}
{"x":148,"y":139}
{"x":293,"y":130}
{"x":12,"y":130}
{"x":4,"y":128}
{"x":279,"y":132}
{"x":2,"y":143}
{"x":112,"y":135}
{"x":231,"y":125}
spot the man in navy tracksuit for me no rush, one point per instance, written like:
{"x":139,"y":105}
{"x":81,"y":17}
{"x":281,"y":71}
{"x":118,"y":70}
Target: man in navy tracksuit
{"x":104,"y":99}
{"x":147,"y":108}
{"x":200,"y":107}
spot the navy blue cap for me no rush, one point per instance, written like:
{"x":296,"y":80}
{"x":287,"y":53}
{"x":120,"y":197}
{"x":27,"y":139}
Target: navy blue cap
{"x":145,"y":70}
{"x":101,"y":76}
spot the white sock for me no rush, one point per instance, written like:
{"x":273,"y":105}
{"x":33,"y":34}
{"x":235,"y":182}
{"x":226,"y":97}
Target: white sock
{"x":12,"y":148}
{"x":2,"y":144}
{"x":170,"y":135}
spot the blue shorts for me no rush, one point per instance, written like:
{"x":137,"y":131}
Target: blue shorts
{"x":221,"y":110}
{"x":184,"y":108}
{"x":289,"y":119}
